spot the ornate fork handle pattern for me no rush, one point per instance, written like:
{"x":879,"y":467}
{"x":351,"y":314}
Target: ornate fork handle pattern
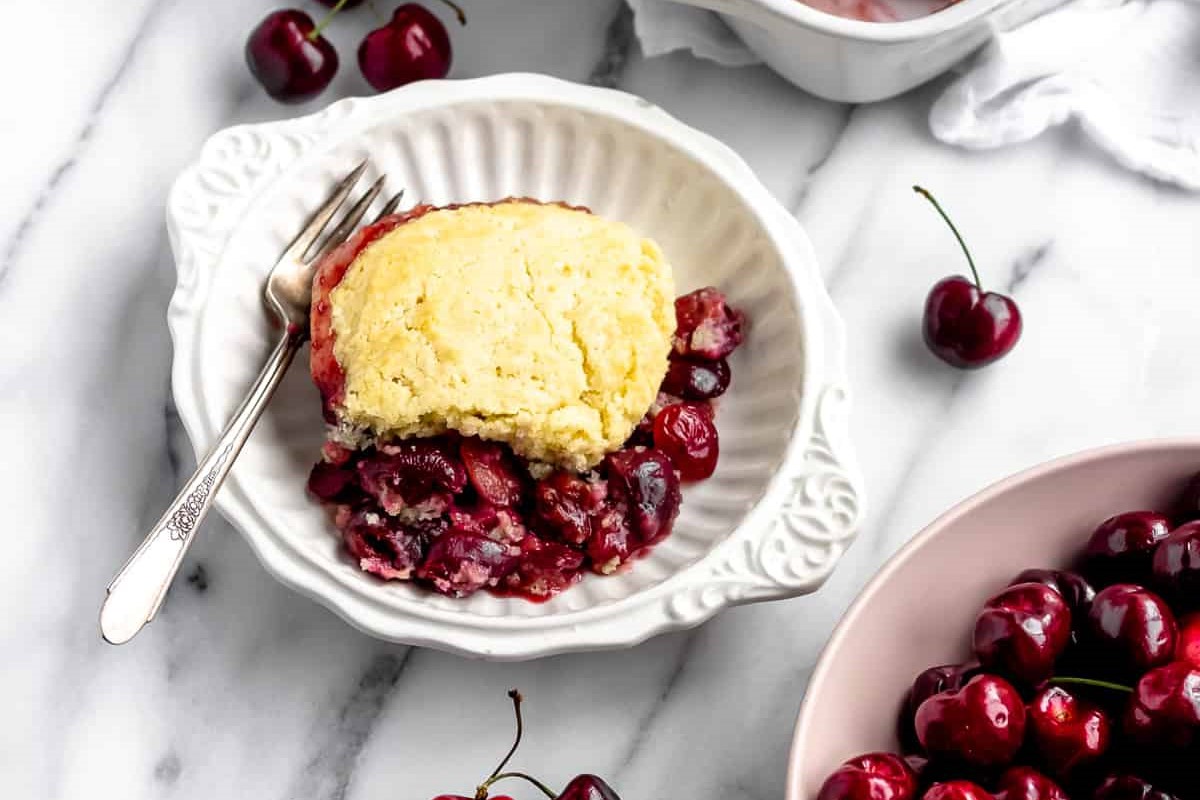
{"x":138,"y":590}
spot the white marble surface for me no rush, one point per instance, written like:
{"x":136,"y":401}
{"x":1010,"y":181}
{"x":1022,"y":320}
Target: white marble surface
{"x":244,"y":689}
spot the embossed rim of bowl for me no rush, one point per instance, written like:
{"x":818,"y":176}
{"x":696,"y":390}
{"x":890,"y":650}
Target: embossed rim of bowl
{"x":814,"y":500}
{"x":824,"y":674}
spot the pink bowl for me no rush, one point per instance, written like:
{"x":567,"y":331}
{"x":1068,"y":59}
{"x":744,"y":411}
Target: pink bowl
{"x":920,"y":609}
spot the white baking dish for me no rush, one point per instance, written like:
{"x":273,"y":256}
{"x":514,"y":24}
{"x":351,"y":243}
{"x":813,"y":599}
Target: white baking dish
{"x":854,"y":61}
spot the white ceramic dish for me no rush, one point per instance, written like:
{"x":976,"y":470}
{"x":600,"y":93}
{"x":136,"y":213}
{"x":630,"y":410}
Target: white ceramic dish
{"x":786,"y":498}
{"x":854,"y":61}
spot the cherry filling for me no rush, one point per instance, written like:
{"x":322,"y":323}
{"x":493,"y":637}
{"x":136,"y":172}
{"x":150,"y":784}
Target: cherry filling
{"x":459,"y":514}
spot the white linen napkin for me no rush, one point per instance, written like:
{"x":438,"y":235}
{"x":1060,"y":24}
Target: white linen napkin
{"x":1129,"y":72}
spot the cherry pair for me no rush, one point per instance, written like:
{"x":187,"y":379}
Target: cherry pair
{"x":294,"y":62}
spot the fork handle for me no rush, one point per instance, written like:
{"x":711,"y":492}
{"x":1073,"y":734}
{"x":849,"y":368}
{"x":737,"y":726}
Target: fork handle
{"x":138,"y":590}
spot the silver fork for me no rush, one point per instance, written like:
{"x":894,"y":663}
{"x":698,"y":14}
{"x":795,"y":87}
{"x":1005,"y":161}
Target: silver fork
{"x":137,"y":591}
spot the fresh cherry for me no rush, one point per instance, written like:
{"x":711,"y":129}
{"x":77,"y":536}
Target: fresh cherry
{"x":1023,"y":783}
{"x":935,"y":680}
{"x":1176,"y":566}
{"x":1128,"y":787}
{"x":290,"y":58}
{"x":412,"y":46}
{"x":1066,"y":732}
{"x":874,"y":776}
{"x":1131,"y":628}
{"x":1165,"y":708}
{"x":587,"y":787}
{"x":1187,"y":646}
{"x":697,"y":379}
{"x":1073,"y":587}
{"x":1022,"y":631}
{"x":956,"y":790}
{"x":963,"y":325}
{"x":1121,"y":548}
{"x":982,"y":724}
{"x":687,"y":433}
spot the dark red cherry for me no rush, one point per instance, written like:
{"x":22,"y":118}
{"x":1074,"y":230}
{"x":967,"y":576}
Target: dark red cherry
{"x":1120,"y":549}
{"x":706,"y":327}
{"x":956,"y":790}
{"x":1131,"y":629}
{"x":967,"y":327}
{"x":1023,"y":783}
{"x":1073,"y":587}
{"x":982,"y":724}
{"x":963,"y":325}
{"x":289,"y":57}
{"x":383,"y":545}
{"x":568,"y":505}
{"x":687,"y":433}
{"x":1022,"y":631}
{"x":1165,"y":708}
{"x":1128,"y":787}
{"x":697,"y":379}
{"x":874,"y":776}
{"x":1176,"y":567}
{"x":1065,"y":731}
{"x":412,"y":46}
{"x":645,"y":481}
{"x":460,"y":564}
{"x":935,"y":680}
{"x":332,"y":483}
{"x":587,"y":787}
{"x":544,"y":569}
{"x":494,"y":471}
{"x":1187,"y":645}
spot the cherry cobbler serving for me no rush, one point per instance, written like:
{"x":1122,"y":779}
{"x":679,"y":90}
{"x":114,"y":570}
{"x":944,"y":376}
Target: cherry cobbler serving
{"x":512,"y":395}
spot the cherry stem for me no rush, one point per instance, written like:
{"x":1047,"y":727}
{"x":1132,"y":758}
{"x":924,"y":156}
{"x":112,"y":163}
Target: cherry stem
{"x":481,"y":791}
{"x":925,"y":193}
{"x":315,"y":33}
{"x":458,"y":11}
{"x":546,"y":790}
{"x":1095,"y":684}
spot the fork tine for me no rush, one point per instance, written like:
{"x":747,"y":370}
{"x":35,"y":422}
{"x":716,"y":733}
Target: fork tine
{"x":391,"y":206}
{"x":317,"y":222}
{"x":350,"y":221}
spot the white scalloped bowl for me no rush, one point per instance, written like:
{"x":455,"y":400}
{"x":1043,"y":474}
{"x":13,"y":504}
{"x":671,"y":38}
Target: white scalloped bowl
{"x":786,"y":498}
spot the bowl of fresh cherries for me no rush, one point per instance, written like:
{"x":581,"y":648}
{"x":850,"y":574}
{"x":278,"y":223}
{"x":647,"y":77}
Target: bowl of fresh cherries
{"x":1040,"y":641}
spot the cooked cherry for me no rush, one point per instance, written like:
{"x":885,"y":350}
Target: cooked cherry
{"x":289,"y":57}
{"x":1131,"y":628}
{"x":1023,"y":783}
{"x":611,"y":543}
{"x":686,"y":432}
{"x":412,"y":46}
{"x":1073,"y":587}
{"x":1176,"y":566}
{"x":1165,"y":708}
{"x":956,"y":790}
{"x":587,"y":787}
{"x":494,"y":471}
{"x":645,"y":481}
{"x":460,"y":564}
{"x":1187,"y":646}
{"x":415,"y":476}
{"x":695,"y":379}
{"x":982,"y":724}
{"x":1120,"y":549}
{"x":1022,"y":631}
{"x":935,"y":680}
{"x":1065,"y":731}
{"x":963,"y":325}
{"x":706,"y":326}
{"x":1128,"y":787}
{"x":567,"y":505}
{"x":332,"y":483}
{"x":874,"y":776}
{"x":544,"y":569}
{"x":382,"y":545}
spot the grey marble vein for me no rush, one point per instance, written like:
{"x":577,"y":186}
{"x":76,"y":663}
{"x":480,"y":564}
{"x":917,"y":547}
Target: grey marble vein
{"x":13,"y":249}
{"x":618,"y":41}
